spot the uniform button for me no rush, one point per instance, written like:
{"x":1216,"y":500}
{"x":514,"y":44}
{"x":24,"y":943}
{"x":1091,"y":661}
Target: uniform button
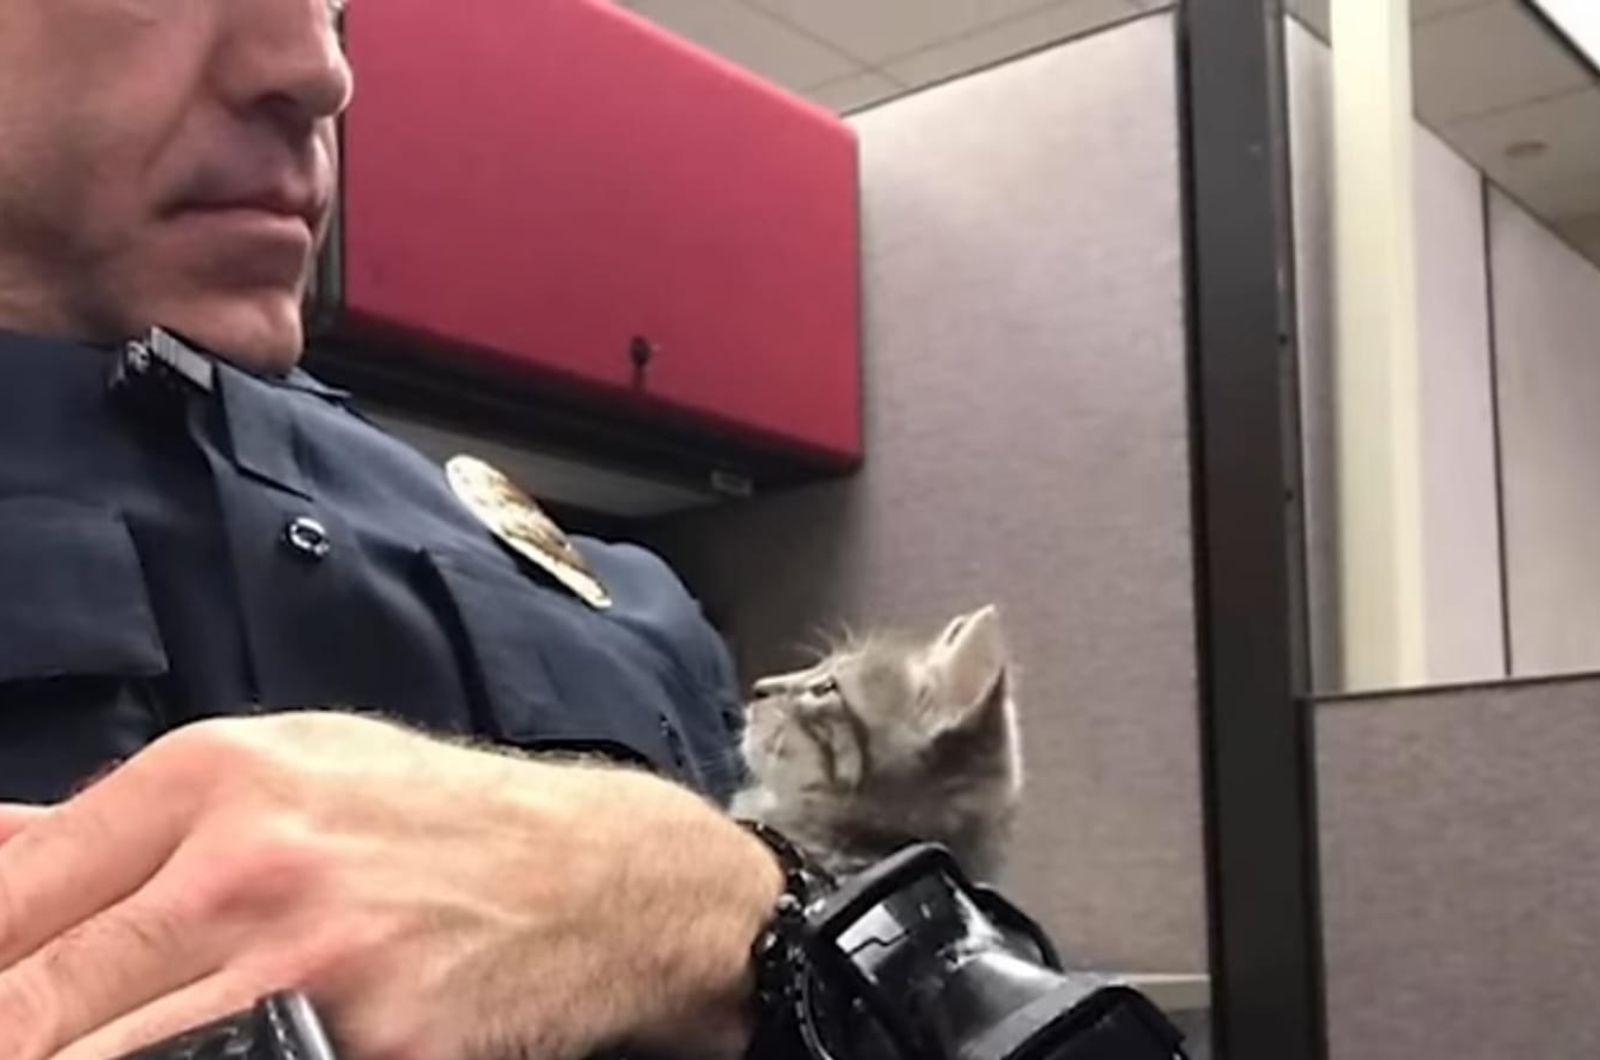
{"x":307,"y":538}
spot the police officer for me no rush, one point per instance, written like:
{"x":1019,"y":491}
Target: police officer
{"x":202,"y":550}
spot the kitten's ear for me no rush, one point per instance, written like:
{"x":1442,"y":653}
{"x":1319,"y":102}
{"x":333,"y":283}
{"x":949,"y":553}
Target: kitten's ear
{"x":968,"y":661}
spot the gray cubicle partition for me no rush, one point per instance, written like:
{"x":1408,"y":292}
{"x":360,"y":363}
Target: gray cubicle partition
{"x":1028,"y":444}
{"x":1460,"y":834}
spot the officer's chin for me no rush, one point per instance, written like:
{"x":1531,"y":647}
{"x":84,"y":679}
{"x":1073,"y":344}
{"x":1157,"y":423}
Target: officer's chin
{"x":262,"y":332}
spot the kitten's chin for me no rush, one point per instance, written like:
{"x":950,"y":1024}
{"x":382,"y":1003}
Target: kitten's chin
{"x":754,"y":803}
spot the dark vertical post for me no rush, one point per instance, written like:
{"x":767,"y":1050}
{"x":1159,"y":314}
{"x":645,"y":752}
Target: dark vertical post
{"x":1260,"y":803}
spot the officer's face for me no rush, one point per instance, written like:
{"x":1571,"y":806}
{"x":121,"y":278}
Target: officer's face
{"x":166,"y":162}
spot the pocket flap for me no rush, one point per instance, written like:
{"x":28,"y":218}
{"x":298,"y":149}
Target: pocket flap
{"x":72,"y":595}
{"x":549,"y":669}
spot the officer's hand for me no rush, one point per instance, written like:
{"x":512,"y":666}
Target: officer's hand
{"x":438,"y":903}
{"x":14,"y":819}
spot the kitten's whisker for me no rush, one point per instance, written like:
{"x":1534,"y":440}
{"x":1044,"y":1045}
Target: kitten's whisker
{"x":847,"y":636}
{"x":813,"y":653}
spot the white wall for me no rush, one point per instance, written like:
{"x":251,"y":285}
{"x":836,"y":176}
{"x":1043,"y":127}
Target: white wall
{"x":1465,"y":627}
{"x":1547,"y":322}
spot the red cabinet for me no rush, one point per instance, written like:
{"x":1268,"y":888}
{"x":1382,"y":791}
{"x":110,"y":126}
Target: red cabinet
{"x":555,"y":198}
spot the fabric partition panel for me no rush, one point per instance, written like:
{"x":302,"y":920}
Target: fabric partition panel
{"x":1028,"y":444}
{"x":1460,"y":837}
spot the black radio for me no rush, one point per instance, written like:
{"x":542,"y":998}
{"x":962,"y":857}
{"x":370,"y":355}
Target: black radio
{"x":281,"y":1027}
{"x":916,"y":962}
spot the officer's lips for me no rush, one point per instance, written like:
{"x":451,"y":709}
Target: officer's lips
{"x":303,"y":211}
{"x":251,"y":238}
{"x":286,"y":207}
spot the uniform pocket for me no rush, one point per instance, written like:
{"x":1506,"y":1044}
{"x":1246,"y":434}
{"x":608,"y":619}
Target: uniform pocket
{"x":551,"y":672}
{"x":73,"y":601}
{"x":79,"y":647}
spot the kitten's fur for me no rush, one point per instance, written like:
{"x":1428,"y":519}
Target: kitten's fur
{"x":890,"y":741}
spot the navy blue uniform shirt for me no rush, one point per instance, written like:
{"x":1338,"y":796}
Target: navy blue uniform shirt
{"x":171,"y":551}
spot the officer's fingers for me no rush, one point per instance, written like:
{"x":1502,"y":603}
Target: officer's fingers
{"x":15,"y":818}
{"x":113,"y":964}
{"x":193,"y":1006}
{"x":83,"y":857}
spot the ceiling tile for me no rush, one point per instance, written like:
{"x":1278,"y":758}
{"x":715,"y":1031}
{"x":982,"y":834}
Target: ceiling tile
{"x":1553,"y":200}
{"x":855,"y":92}
{"x":1569,"y":128}
{"x":1487,"y":58}
{"x":1313,"y":13}
{"x":1425,"y":9}
{"x":1585,"y":228}
{"x":879,"y":30}
{"x":1583,"y":233}
{"x":1008,"y":39}
{"x":750,"y":38}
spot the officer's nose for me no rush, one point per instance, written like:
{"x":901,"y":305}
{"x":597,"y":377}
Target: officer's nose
{"x":284,"y":58}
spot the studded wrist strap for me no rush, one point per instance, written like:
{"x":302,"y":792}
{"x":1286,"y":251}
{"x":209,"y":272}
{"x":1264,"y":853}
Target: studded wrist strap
{"x":785,"y":978}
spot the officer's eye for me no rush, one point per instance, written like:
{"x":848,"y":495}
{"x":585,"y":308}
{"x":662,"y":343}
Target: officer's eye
{"x":828,"y":686}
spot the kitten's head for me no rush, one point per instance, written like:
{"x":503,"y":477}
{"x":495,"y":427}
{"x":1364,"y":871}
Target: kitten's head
{"x":891,"y":740}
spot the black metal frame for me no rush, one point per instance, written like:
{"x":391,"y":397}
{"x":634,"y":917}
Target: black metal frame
{"x":1256,"y":733}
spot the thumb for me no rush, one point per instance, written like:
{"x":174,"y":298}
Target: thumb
{"x":14,"y":818}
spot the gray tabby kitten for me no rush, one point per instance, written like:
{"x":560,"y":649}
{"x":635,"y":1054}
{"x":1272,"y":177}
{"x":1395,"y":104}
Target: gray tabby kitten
{"x":890,"y":741}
